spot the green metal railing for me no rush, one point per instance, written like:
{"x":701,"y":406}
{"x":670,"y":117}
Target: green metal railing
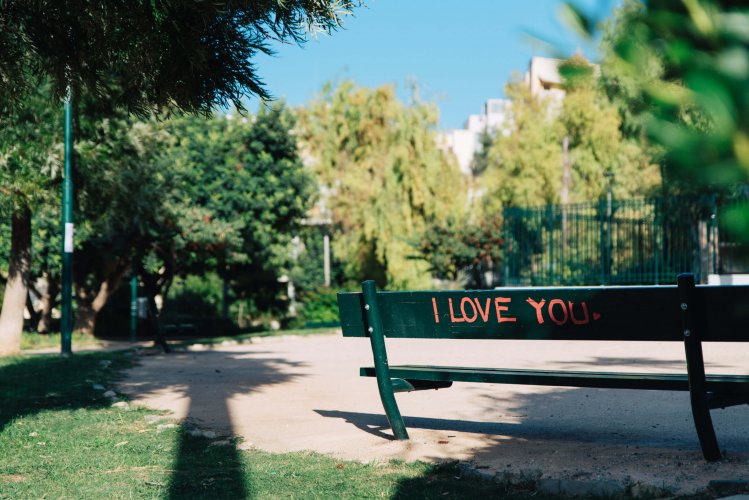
{"x":615,"y":242}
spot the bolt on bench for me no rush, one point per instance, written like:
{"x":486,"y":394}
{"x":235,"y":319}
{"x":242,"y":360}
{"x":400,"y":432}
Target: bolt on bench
{"x":685,"y":313}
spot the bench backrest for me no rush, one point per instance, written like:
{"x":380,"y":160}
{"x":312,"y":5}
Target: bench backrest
{"x":596,"y":313}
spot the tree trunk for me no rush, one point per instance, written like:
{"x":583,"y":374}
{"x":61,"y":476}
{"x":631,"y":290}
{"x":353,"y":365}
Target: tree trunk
{"x":34,"y":315}
{"x":225,"y":297}
{"x":16,"y":289}
{"x":48,"y":303}
{"x":153,"y":284}
{"x":85,"y":318}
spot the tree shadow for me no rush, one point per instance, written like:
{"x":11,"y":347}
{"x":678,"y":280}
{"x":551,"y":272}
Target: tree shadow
{"x":580,"y":433}
{"x":208,"y":463}
{"x":566,"y":433}
{"x":204,"y":470}
{"x":33,"y":384}
{"x":607,"y":416}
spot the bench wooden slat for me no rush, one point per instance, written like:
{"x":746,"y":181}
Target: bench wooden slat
{"x":724,"y":384}
{"x":612,"y":313}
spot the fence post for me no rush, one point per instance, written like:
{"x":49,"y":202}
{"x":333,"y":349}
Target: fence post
{"x":602,"y":253}
{"x":550,"y":216}
{"x":505,"y":244}
{"x":714,"y":236}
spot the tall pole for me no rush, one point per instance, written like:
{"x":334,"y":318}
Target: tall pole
{"x":133,"y":307}
{"x":564,"y":195}
{"x":66,"y":324}
{"x":326,"y":259}
{"x":609,"y":212}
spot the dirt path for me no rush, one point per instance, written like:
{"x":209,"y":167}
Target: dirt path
{"x":305,"y":394}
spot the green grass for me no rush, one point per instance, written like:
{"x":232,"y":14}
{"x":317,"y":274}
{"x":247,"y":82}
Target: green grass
{"x":59,"y":437}
{"x":33,"y":340}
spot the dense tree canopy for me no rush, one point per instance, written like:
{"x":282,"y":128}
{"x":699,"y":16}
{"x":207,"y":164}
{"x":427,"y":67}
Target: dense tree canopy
{"x":29,"y":167}
{"x":240,"y":181}
{"x":141,"y":56}
{"x":190,"y":54}
{"x":155,"y":197}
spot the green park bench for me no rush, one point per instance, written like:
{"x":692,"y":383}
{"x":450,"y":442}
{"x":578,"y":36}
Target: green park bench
{"x":685,"y":313}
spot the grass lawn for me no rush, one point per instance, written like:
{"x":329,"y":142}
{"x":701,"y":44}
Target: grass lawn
{"x":61,"y":437}
{"x":33,"y":340}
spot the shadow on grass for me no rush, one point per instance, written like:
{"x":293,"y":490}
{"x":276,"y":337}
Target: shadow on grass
{"x":205,"y":382}
{"x":32,"y":384}
{"x":204,"y":465}
{"x":205,"y":470}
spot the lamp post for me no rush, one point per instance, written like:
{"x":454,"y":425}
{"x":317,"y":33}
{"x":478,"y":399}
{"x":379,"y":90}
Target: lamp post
{"x":66,"y":322}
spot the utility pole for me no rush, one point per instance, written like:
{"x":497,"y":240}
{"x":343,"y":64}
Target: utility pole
{"x":564,"y":195}
{"x":66,"y":323}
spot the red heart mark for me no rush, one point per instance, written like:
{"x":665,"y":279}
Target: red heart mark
{"x":596,"y":316}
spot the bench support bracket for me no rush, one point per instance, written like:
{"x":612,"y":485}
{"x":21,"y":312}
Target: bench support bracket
{"x":377,"y":338}
{"x":692,"y":323}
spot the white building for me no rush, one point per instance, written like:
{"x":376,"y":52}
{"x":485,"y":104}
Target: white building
{"x":544,"y":79}
{"x":464,"y":143}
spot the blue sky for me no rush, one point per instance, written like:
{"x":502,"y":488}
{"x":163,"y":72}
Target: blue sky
{"x":460,"y":52}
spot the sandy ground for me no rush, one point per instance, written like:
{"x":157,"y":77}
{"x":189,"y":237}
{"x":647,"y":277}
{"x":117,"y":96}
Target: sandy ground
{"x":305,"y":394}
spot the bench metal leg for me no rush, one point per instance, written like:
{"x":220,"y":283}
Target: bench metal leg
{"x":382,"y":369}
{"x":692,"y":323}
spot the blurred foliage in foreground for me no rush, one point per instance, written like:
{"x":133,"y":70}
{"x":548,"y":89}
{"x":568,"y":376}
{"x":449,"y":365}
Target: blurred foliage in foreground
{"x":687,"y":64}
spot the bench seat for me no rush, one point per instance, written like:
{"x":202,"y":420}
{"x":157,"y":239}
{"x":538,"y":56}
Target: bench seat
{"x":719,"y":384}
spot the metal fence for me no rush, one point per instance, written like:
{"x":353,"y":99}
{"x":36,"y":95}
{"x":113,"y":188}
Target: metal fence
{"x":619,"y":242}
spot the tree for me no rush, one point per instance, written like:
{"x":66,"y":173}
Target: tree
{"x":524,"y":166}
{"x":192,"y":55}
{"x":597,"y":146}
{"x":527,"y":166}
{"x":621,"y":85}
{"x":29,"y":166}
{"x":46,"y":263}
{"x":385,"y":177}
{"x":695,"y":107}
{"x":245,"y":174}
{"x":467,"y":254}
{"x":123,"y":185}
{"x":189,"y":56}
{"x":180,"y":196}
